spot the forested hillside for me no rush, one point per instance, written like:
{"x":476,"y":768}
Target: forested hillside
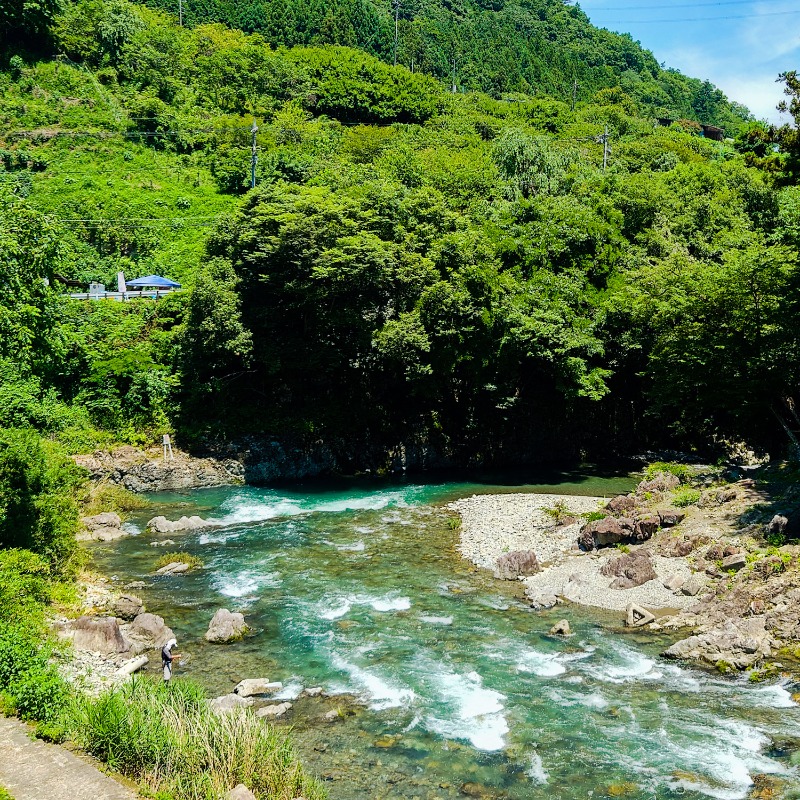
{"x":460,"y":270}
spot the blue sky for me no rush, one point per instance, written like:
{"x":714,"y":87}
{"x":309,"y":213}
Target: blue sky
{"x":739,"y":45}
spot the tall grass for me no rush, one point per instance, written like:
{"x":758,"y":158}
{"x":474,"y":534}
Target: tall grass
{"x":168,"y":739}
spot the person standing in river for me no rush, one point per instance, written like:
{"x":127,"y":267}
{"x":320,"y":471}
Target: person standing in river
{"x":167,"y":657}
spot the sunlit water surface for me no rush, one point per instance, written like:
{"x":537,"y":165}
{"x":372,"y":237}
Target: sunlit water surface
{"x":359,"y":589}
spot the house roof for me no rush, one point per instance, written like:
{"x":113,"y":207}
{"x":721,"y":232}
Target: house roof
{"x":153,"y":281}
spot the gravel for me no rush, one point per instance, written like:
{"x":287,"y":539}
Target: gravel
{"x":496,"y":524}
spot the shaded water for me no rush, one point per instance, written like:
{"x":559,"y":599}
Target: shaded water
{"x":358,"y":589}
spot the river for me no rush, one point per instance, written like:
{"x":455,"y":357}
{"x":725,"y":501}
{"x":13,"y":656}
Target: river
{"x":358,"y":588}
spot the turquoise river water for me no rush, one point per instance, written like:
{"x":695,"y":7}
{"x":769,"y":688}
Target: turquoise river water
{"x":446,"y":681}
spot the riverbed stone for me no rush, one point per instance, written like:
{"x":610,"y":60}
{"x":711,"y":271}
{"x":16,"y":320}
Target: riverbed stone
{"x":255,"y":686}
{"x":517,"y":564}
{"x":540,"y":600}
{"x":675,"y":582}
{"x":98,"y":635}
{"x":636,"y":616}
{"x":561,"y":628}
{"x":695,"y":584}
{"x":670,"y":517}
{"x":604,"y":532}
{"x":173,"y":568}
{"x":646,"y":527}
{"x":226,"y":626}
{"x":274,"y":711}
{"x":105,"y":527}
{"x":621,"y":505}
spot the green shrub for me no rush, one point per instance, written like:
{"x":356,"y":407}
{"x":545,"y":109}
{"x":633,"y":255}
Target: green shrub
{"x":558,"y":512}
{"x":111,"y":497}
{"x":594,"y":516}
{"x":24,"y":586}
{"x":685,"y":497}
{"x":4,"y":795}
{"x":170,"y":741}
{"x":680,"y":471}
{"x":40,"y":694}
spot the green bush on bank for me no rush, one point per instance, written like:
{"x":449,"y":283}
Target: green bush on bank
{"x":169,"y":740}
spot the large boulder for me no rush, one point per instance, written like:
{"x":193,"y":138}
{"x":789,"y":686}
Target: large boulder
{"x":164,"y":525}
{"x":738,"y":644}
{"x":98,"y":635}
{"x":148,"y":632}
{"x":605,"y":532}
{"x":629,"y":570}
{"x":128,"y":606}
{"x":226,"y":626}
{"x":670,"y":517}
{"x":540,"y":599}
{"x":517,"y":564}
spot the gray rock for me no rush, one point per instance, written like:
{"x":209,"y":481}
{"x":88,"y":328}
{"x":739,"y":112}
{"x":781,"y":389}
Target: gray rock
{"x":604,"y":532}
{"x":661,"y":483}
{"x":240,"y":792}
{"x":255,"y":686}
{"x":148,"y":632}
{"x":561,"y":628}
{"x":736,"y":561}
{"x":520,"y":563}
{"x":332,"y":716}
{"x":226,"y":627}
{"x":105,"y":527}
{"x":777,"y":526}
{"x":694,"y":585}
{"x":740,"y":644}
{"x":98,"y":635}
{"x":229,"y":703}
{"x":629,"y":570}
{"x":128,"y":606}
{"x":540,"y":600}
{"x":314,"y":691}
{"x":675,"y":582}
{"x":636,"y":616}
{"x":274,"y":710}
{"x":173,"y":568}
{"x":164,"y":525}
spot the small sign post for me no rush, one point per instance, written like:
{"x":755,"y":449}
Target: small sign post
{"x":167,"y":447}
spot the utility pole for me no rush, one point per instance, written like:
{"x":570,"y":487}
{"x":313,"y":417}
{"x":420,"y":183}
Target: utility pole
{"x":454,"y":88}
{"x":254,"y":155}
{"x":180,"y":13}
{"x":603,"y":139}
{"x":396,"y":7}
{"x":574,"y":93}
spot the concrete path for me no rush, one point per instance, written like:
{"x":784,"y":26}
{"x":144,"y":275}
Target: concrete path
{"x":34,"y":770}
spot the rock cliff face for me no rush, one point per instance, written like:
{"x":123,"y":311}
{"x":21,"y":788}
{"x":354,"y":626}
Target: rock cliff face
{"x":140,"y":471}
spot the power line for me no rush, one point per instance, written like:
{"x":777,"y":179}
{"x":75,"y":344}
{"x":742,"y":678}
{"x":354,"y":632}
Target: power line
{"x":670,"y":6}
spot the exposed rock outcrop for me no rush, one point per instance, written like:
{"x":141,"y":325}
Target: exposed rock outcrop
{"x":226,"y":626}
{"x":737,"y":644}
{"x":139,"y":471}
{"x":128,"y":606}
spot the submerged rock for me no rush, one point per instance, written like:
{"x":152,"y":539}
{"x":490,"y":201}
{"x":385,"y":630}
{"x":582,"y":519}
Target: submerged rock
{"x":226,"y":626}
{"x":520,"y":563}
{"x":173,"y":568}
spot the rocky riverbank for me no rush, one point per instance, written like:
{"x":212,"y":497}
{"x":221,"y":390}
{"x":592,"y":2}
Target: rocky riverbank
{"x":705,"y":569}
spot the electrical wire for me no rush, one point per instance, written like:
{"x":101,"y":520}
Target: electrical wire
{"x":670,"y":6}
{"x":699,"y":19}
